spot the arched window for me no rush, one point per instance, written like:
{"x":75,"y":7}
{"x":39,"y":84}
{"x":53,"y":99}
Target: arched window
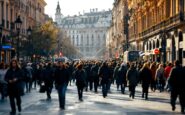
{"x":92,"y":40}
{"x":87,"y":39}
{"x":82,"y":39}
{"x":77,"y":41}
{"x":153,"y":44}
{"x":157,"y":45}
{"x":146,"y":45}
{"x":150,"y":45}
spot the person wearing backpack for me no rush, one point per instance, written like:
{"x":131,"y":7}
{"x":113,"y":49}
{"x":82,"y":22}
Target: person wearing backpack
{"x":80,"y":76}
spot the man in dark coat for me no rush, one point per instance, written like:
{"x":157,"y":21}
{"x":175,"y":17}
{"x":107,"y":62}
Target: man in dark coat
{"x":94,"y":71}
{"x":61,"y":81}
{"x":104,"y":75}
{"x":14,"y":78}
{"x":121,"y":81}
{"x":177,"y":83}
{"x":133,"y":78}
{"x":48,"y":79}
{"x":145,"y":78}
{"x":80,"y":76}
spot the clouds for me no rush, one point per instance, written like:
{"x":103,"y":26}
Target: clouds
{"x":72,"y":7}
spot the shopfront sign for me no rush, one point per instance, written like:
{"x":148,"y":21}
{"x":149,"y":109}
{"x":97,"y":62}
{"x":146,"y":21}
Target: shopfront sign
{"x":6,"y":47}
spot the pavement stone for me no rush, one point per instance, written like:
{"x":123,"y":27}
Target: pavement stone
{"x":35,"y":103}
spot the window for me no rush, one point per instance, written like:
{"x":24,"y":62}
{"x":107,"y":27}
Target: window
{"x":87,"y":39}
{"x":92,"y":40}
{"x":77,"y":40}
{"x":73,"y":40}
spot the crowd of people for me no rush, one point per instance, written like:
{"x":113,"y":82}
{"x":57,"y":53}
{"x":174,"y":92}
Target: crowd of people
{"x":89,"y":75}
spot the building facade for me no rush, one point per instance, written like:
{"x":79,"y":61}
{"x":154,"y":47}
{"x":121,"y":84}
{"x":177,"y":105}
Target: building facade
{"x":31,"y":13}
{"x":157,"y":28}
{"x":117,"y":35}
{"x":87,"y":31}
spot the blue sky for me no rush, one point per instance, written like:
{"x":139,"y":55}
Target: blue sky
{"x":73,"y":7}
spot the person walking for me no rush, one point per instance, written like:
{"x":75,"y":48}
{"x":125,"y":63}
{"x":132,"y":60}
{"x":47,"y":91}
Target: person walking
{"x":48,"y":79}
{"x":177,"y":83}
{"x":80,"y":76}
{"x":160,"y":77}
{"x":115,"y":75}
{"x":94,"y":71}
{"x":121,"y":81}
{"x":132,"y":78}
{"x":153,"y":69}
{"x":14,"y":78}
{"x":104,"y":75}
{"x":3,"y":83}
{"x":145,"y":76}
{"x":61,"y":82}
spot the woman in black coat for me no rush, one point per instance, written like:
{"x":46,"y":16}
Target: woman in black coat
{"x":80,"y":76}
{"x":104,"y":74}
{"x":61,"y":82}
{"x":145,"y":78}
{"x":14,"y":79}
{"x":132,"y":78}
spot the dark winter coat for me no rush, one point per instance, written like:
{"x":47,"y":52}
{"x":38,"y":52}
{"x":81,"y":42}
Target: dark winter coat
{"x":16,"y":88}
{"x":145,"y":76}
{"x":80,"y":76}
{"x":176,"y":79}
{"x":104,"y":74}
{"x":48,"y":76}
{"x":61,"y":76}
{"x":132,"y":77}
{"x":121,"y":75}
{"x":115,"y":75}
{"x":94,"y":72}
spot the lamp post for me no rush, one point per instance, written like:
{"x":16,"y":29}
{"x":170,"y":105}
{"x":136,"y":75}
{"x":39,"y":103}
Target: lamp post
{"x":29,"y":31}
{"x":18,"y":23}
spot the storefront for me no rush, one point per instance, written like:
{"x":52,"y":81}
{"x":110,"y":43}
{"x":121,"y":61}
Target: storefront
{"x":6,"y":53}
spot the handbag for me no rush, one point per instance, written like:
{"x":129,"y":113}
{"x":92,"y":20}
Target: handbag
{"x":42,"y":88}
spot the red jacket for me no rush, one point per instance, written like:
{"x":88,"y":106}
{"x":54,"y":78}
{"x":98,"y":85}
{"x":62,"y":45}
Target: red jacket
{"x":167,"y":71}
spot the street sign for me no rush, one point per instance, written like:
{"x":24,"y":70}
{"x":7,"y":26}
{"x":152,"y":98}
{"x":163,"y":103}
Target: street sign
{"x":156,"y":51}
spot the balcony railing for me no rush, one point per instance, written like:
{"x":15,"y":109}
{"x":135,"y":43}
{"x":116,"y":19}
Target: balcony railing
{"x":166,"y":24}
{"x":172,"y":21}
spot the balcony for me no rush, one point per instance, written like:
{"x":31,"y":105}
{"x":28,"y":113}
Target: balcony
{"x":166,"y":25}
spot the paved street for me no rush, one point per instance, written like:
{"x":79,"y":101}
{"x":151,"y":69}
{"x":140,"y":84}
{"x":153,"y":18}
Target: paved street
{"x":115,"y":104}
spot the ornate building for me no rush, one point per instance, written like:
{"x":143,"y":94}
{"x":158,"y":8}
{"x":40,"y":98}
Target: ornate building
{"x":117,"y":35}
{"x":87,"y":31}
{"x":157,"y":28}
{"x":31,"y":13}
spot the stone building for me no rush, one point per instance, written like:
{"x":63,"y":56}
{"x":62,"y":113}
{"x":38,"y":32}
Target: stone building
{"x":117,"y":35}
{"x":87,"y":31}
{"x":31,"y":13}
{"x":157,"y":28}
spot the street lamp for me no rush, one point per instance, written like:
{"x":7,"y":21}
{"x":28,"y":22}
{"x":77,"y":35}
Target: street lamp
{"x":29,"y":31}
{"x":18,"y":23}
